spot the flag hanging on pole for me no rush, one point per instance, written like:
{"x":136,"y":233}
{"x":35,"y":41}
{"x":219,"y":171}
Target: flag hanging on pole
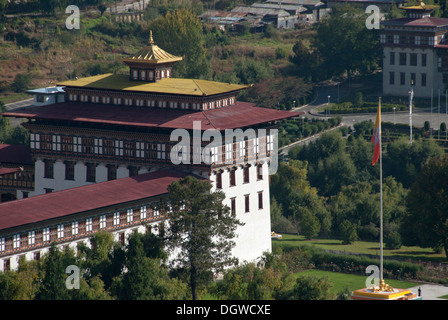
{"x":376,"y":137}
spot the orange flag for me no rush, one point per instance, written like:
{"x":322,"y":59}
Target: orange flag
{"x":376,"y":137}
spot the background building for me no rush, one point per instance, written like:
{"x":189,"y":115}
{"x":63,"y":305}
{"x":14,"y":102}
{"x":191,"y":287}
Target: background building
{"x":415,"y":52}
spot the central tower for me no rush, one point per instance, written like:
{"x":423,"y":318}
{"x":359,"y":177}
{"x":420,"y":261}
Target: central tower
{"x":151,"y":63}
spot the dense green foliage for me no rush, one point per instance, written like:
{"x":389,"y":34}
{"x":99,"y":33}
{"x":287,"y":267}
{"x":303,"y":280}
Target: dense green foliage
{"x":200,"y":231}
{"x":343,"y":45}
{"x":330,"y":189}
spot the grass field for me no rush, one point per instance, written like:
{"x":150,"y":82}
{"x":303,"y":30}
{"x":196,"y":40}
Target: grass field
{"x":362,"y":247}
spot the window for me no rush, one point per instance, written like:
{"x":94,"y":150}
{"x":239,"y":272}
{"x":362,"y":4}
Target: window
{"x":392,"y":58}
{"x":116,"y":218}
{"x":69,"y":170}
{"x":46,"y":234}
{"x":2,"y":244}
{"x":160,"y":151}
{"x":16,"y":241}
{"x":75,"y":228}
{"x":143,"y":212}
{"x":129,"y":148}
{"x":219,"y":180}
{"x":412,"y":78}
{"x":108,"y":147}
{"x":402,"y":59}
{"x":60,"y":231}
{"x":413,"y":59}
{"x":246,"y":203}
{"x":7,"y":265}
{"x":232,"y":177}
{"x":48,"y":169}
{"x":423,"y":80}
{"x":246,"y":175}
{"x":102,"y":221}
{"x":46,"y":142}
{"x":91,"y":172}
{"x":402,"y":78}
{"x":260,"y":172}
{"x":129,"y":215}
{"x":89,"y":227}
{"x":392,"y":78}
{"x":67,"y":144}
{"x":423,"y":59}
{"x":88,"y":145}
{"x":111,"y":172}
{"x":260,"y":200}
{"x":31,"y":238}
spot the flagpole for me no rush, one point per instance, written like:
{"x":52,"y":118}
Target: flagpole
{"x":411,"y":95}
{"x":381,"y":200}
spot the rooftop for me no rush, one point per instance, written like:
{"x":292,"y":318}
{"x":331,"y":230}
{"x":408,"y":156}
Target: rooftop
{"x":417,"y":22}
{"x":191,"y":87}
{"x":152,"y":54}
{"x":78,"y":200}
{"x":15,"y":154}
{"x":240,"y":115}
{"x":47,"y":90}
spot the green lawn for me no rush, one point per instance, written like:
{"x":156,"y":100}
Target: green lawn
{"x":341,"y":281}
{"x":373,"y":248}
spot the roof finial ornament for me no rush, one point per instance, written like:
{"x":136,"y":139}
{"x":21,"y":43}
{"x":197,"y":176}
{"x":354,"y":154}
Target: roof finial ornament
{"x":151,"y":40}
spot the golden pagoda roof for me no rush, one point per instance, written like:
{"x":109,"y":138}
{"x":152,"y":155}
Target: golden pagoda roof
{"x":152,"y":54}
{"x":181,"y":86}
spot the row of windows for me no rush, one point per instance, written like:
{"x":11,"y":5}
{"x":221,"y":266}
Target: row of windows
{"x":404,"y":61}
{"x":409,"y":39}
{"x":412,"y":79}
{"x":153,"y":103}
{"x":228,"y":153}
{"x":90,"y":171}
{"x":150,"y":74}
{"x":246,"y":203}
{"x":77,"y":228}
{"x":232,"y":176}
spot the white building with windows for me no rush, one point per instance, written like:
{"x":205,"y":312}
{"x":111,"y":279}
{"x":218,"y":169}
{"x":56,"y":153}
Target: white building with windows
{"x":415,"y":53}
{"x":112,"y":131}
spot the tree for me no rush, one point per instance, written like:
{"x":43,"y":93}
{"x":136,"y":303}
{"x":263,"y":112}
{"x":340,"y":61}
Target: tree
{"x":348,"y":232}
{"x":426,"y":223}
{"x":309,"y":225}
{"x":52,"y":270}
{"x":180,"y":33}
{"x":312,"y":288}
{"x":345,"y":44}
{"x":22,"y":82}
{"x":200,"y":230}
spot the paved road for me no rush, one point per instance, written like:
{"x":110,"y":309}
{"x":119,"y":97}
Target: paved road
{"x":431,"y":292}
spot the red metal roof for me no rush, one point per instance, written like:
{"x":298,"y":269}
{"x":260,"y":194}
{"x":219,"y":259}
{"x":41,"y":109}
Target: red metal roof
{"x":240,"y":115}
{"x":76,"y":200}
{"x":422,"y":22}
{"x":17,"y":154}
{"x":4,"y":171}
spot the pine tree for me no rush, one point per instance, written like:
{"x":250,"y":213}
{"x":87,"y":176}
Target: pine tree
{"x":201,"y":230}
